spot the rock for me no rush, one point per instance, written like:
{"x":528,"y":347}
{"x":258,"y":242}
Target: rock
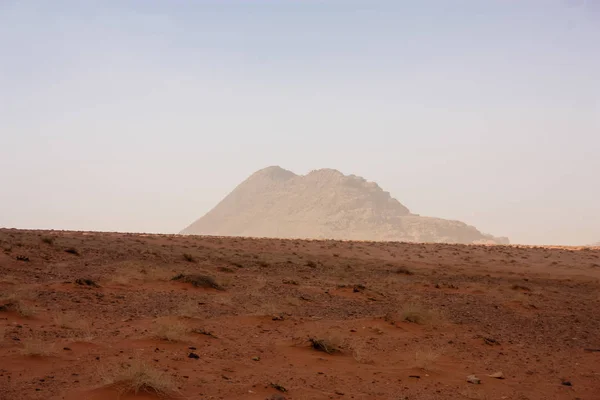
{"x":255,"y":358}
{"x":497,"y":375}
{"x":194,"y":356}
{"x":567,"y":383}
{"x":473,"y":379}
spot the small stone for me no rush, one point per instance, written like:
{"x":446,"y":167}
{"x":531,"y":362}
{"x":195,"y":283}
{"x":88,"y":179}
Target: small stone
{"x":497,"y":375}
{"x":255,"y":358}
{"x":194,"y":356}
{"x":473,"y":379}
{"x":567,"y":383}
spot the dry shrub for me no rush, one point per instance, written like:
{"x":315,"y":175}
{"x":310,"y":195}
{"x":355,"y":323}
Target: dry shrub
{"x":84,"y":331}
{"x":417,"y":314}
{"x":170,"y":331}
{"x":188,"y":309}
{"x":10,"y":279}
{"x":360,"y":353}
{"x":126,"y":272}
{"x":198,"y":281}
{"x":15,"y":301}
{"x":425,"y":359}
{"x":120,"y":279}
{"x":36,"y":347}
{"x":404,"y":271}
{"x":64,"y":320}
{"x":72,"y":250}
{"x":139,"y":377}
{"x":24,"y":309}
{"x":326,"y":345}
{"x":48,"y":240}
{"x":188,"y":257}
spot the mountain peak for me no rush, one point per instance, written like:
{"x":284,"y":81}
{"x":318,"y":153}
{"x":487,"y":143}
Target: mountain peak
{"x":275,"y":202}
{"x":274,"y":172}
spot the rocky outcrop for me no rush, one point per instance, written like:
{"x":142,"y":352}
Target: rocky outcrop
{"x":325,"y":203}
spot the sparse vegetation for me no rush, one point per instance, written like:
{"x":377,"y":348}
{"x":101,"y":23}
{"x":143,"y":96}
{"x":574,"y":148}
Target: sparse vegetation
{"x":139,"y":377}
{"x":328,"y":346}
{"x":198,"y":281}
{"x":404,"y":271}
{"x":417,"y":314}
{"x":36,"y":348}
{"x":188,"y":309}
{"x":188,"y":257}
{"x":278,"y":387}
{"x":72,"y":250}
{"x":170,"y":331}
{"x":204,"y":332}
{"x":14,"y":301}
{"x":48,"y":240}
{"x":86,"y":282}
{"x":64,"y":320}
{"x":425,"y":359}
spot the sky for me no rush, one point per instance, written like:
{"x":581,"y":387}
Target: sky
{"x":141,"y":115}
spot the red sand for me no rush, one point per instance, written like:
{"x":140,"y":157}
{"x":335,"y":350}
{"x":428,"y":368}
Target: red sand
{"x":528,"y":312}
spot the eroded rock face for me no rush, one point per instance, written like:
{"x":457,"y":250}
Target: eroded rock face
{"x":325,"y":203}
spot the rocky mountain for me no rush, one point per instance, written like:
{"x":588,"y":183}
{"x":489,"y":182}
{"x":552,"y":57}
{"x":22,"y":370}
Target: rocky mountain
{"x":274,"y":202}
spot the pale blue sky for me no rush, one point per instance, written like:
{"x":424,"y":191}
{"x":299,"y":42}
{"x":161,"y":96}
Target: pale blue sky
{"x":141,"y":115}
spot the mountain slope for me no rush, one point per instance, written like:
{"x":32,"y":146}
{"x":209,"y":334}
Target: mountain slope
{"x":274,"y":202}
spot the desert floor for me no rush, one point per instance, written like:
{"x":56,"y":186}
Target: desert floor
{"x":97,"y":315}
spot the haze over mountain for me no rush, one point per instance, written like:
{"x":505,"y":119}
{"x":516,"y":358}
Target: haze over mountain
{"x":274,"y":202}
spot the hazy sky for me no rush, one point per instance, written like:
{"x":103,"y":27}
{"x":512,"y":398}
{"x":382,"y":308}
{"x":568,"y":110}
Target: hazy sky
{"x":141,"y":115}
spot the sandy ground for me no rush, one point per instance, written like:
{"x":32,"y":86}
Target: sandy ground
{"x":403,"y":321}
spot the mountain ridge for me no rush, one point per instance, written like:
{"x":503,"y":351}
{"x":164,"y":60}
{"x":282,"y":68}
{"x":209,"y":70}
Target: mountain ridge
{"x":325,"y":204}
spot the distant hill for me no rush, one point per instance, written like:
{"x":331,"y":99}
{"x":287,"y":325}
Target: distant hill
{"x":274,"y":202}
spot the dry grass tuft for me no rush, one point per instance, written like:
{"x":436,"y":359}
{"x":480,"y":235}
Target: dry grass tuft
{"x":188,"y":309}
{"x":14,"y":301}
{"x":48,"y":240}
{"x":72,"y":250}
{"x":64,"y":320}
{"x":198,"y":281}
{"x":425,"y":359}
{"x":404,"y":271}
{"x":172,"y":331}
{"x":36,"y":348}
{"x":188,"y":257}
{"x":417,"y":314}
{"x":126,"y":272}
{"x":139,"y":377}
{"x":326,"y":345}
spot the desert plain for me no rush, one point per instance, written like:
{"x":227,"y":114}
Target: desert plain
{"x":106,"y":316}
